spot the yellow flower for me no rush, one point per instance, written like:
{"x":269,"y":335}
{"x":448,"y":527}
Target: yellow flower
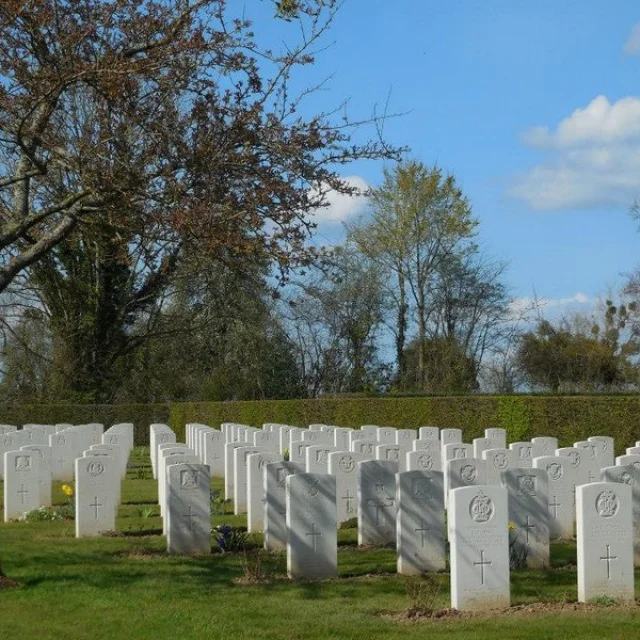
{"x":67,"y":490}
{"x":512,"y":526}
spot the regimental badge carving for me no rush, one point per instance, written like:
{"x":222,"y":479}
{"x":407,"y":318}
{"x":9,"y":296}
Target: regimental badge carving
{"x":113,"y":439}
{"x":526,"y":485}
{"x":164,"y":439}
{"x":481,"y":508}
{"x":554,"y":470}
{"x":393,"y":454}
{"x":321,"y":455}
{"x":421,"y":488}
{"x":459,"y":452}
{"x":347,"y":464}
{"x":636,"y":465}
{"x":626,"y":478}
{"x":61,"y":440}
{"x":425,"y":462}
{"x":311,"y":489}
{"x":501,"y":460}
{"x":524,"y":453}
{"x":468,"y":473}
{"x":95,"y":468}
{"x":607,"y":504}
{"x":262,"y":462}
{"x":605,"y":446}
{"x":574,"y":456}
{"x":188,"y":479}
{"x":23,"y":462}
{"x":367,"y":449}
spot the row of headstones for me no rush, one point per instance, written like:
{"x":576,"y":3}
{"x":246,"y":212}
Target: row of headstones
{"x":420,"y":546}
{"x":97,"y":467}
{"x":434,"y":450}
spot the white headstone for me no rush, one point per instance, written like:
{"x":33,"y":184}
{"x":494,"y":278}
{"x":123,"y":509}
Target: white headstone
{"x":429,"y":433}
{"x":420,"y":541}
{"x":546,"y":445}
{"x":344,"y":466}
{"x":312,"y":530}
{"x":240,"y":481}
{"x":21,"y":486}
{"x":275,"y":511}
{"x":256,"y":462}
{"x":605,"y":542}
{"x":424,"y":460}
{"x":478,"y":535}
{"x":317,"y":458}
{"x":44,"y":471}
{"x":95,"y":495}
{"x":561,"y":484}
{"x":498,"y":460}
{"x":377,"y":502}
{"x":605,"y":449}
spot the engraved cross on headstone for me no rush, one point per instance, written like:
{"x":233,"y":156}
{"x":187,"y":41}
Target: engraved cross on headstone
{"x":348,"y":500}
{"x":314,"y":535}
{"x":422,"y":529}
{"x":608,"y":558}
{"x":22,"y":493}
{"x":554,"y":505}
{"x":529,"y":527}
{"x":190,"y":516}
{"x":482,"y":564}
{"x":96,"y":505}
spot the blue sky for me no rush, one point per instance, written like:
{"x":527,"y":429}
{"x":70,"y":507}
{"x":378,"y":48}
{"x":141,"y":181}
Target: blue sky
{"x":534,"y":106}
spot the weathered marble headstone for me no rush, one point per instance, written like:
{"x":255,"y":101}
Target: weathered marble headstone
{"x":605,"y":542}
{"x":392,"y":453}
{"x":450,"y":436}
{"x":387,"y":435}
{"x":317,"y":458}
{"x":630,"y":459}
{"x":297,"y":452}
{"x":406,"y":437}
{"x":358,"y":434}
{"x":43,"y":452}
{"x":158,"y":434}
{"x":605,"y":449}
{"x":343,"y":465}
{"x":62,"y":455}
{"x":256,"y":463}
{"x":312,"y":529}
{"x":480,"y":445}
{"x":429,"y":433}
{"x":433,"y":446}
{"x":589,"y":469}
{"x":213,"y":452}
{"x":365,"y":447}
{"x":546,"y":445}
{"x":424,"y":460}
{"x":453,"y":451}
{"x":498,"y":436}
{"x":240,"y":481}
{"x":21,"y":486}
{"x":283,"y":432}
{"x":377,"y":502}
{"x":229,"y":468}
{"x":318,"y":437}
{"x":95,"y":495}
{"x":525,"y":452}
{"x":498,"y":460}
{"x":275,"y":508}
{"x":188,"y":509}
{"x":420,"y":541}
{"x":628,"y":475}
{"x":529,"y":511}
{"x":464,"y":472}
{"x":478,"y":535}
{"x":341,"y":438}
{"x":561,"y":484}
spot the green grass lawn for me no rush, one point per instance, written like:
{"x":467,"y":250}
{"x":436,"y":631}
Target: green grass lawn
{"x":125,"y":586}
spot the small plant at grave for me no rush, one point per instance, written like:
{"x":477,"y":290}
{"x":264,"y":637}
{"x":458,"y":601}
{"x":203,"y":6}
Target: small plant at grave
{"x":259,"y":565}
{"x":230,"y":538}
{"x":423,"y":592}
{"x":352,"y":523}
{"x":68,"y":511}
{"x":604,"y":601}
{"x":517,"y":550}
{"x":218,"y":503}
{"x":285,"y":454}
{"x":141,"y":473}
{"x":43,"y":514}
{"x":147,"y":512}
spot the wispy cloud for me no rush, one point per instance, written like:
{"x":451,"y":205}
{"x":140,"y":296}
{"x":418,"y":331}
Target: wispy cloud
{"x":594,"y":158}
{"x":632,"y":45}
{"x":341,"y":207}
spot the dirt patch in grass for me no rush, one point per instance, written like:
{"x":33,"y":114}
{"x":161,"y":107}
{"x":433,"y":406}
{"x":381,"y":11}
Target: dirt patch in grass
{"x":8,"y":583}
{"x":414,"y":614}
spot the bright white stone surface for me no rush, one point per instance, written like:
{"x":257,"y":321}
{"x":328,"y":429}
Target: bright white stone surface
{"x":275,"y":511}
{"x":21,"y":485}
{"x":561,"y":486}
{"x":377,"y":502}
{"x":256,"y":463}
{"x":344,"y":466}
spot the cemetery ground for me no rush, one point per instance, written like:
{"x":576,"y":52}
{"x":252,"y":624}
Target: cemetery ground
{"x":125,"y":585}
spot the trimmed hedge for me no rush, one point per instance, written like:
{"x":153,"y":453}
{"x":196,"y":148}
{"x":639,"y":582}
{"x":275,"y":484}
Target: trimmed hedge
{"x":569,"y":418}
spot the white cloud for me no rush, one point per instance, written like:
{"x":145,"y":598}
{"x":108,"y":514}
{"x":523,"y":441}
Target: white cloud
{"x":632,"y":45}
{"x":594,"y":158}
{"x":341,"y":207}
{"x":524,"y":305}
